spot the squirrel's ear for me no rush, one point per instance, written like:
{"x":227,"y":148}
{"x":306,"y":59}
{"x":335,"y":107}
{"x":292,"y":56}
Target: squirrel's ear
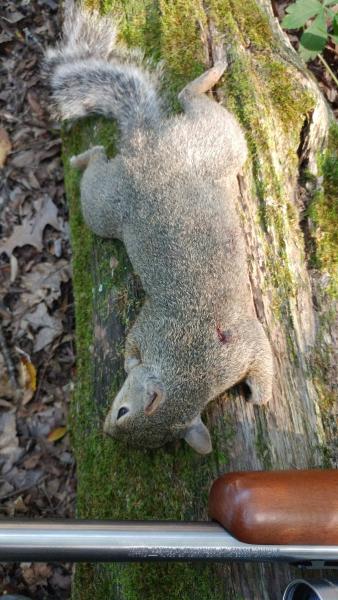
{"x":198,"y":437}
{"x":155,"y":396}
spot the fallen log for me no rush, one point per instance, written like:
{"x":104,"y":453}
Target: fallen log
{"x":285,"y":207}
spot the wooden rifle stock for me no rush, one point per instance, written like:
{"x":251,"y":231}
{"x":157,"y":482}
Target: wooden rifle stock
{"x":278,"y":507}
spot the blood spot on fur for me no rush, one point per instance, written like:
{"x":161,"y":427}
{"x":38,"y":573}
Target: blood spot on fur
{"x":223,"y":336}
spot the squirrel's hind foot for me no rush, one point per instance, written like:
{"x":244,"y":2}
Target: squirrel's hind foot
{"x":204,"y":83}
{"x":81,"y":161}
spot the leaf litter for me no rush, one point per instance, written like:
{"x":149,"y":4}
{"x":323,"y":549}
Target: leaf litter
{"x":37,"y":470}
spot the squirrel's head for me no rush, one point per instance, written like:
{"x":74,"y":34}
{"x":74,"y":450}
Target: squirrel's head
{"x":141,"y":417}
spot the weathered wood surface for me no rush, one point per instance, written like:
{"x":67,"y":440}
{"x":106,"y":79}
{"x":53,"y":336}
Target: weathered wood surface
{"x":286,"y":123}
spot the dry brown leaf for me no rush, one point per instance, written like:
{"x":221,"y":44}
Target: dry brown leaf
{"x":36,"y":573}
{"x":5,"y":489}
{"x":27,"y":377}
{"x":6,"y":387}
{"x":24,"y":158}
{"x":19,"y":505}
{"x":5,"y":403}
{"x":60,"y":580}
{"x":9,"y":443}
{"x":5,"y":146}
{"x":48,"y":327}
{"x":5,"y":37}
{"x":33,"y":169}
{"x":30,"y":383}
{"x":44,"y":282}
{"x":31,"y":231}
{"x":13,"y":17}
{"x":57,"y":434}
{"x":47,"y":335}
{"x":27,"y":396}
{"x":34,"y":104}
{"x":32,"y":461}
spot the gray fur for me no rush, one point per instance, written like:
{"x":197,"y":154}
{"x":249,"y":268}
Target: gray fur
{"x":91,"y":75}
{"x":170,"y":197}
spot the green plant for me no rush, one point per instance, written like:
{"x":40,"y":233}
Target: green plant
{"x":320,"y":25}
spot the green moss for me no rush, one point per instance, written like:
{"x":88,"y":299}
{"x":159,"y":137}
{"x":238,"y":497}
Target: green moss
{"x":288,"y":98}
{"x":262,"y":444}
{"x":173,"y":482}
{"x":82,"y":240}
{"x":322,"y":364}
{"x":248,"y":87}
{"x":223,"y":434}
{"x":182,"y":23}
{"x":166,"y":575}
{"x":328,"y":457}
{"x":323,"y":211}
{"x":253,"y":23}
{"x":250,"y":23}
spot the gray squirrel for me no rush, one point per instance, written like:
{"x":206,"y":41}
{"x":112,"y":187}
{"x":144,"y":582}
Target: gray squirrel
{"x":170,"y":196}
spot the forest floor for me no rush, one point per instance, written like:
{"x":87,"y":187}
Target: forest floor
{"x":37,"y":359}
{"x":37,"y":349}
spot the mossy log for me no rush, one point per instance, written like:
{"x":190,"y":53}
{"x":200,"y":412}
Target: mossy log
{"x":285,"y":203}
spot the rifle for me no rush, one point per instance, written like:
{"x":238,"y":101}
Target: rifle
{"x":288,"y":516}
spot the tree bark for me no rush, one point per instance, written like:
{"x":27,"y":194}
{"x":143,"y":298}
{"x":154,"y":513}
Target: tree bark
{"x":286,"y":123}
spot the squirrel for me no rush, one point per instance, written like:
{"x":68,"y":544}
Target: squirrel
{"x":170,"y":196}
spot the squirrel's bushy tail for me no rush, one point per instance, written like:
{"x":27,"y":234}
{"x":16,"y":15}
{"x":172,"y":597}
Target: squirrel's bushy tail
{"x":90,"y":75}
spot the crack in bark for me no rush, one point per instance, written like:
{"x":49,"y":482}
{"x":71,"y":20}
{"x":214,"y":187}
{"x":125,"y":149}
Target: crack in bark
{"x":212,"y":39}
{"x":303,"y":148}
{"x":305,"y":190}
{"x":207,"y":40}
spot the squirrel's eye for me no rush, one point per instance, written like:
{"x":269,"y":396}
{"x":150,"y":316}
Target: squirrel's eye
{"x":122,"y":411}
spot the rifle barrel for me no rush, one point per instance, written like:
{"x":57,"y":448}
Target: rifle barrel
{"x":70,"y":540}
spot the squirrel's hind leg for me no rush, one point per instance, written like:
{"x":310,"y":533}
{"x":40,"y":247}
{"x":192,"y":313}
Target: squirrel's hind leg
{"x":103,"y":193}
{"x":202,"y":84}
{"x":260,"y":375}
{"x":81,"y":161}
{"x":219,"y":143}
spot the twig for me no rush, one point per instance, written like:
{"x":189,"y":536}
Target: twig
{"x":328,"y":68}
{"x":7,"y":358}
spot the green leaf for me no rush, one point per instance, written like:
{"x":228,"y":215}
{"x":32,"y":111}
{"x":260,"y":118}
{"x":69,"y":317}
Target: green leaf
{"x":315,"y":37}
{"x":334,"y":38}
{"x":329,"y":2}
{"x":307,"y":54}
{"x":319,"y":25}
{"x":300,"y":12}
{"x":335,"y":24}
{"x":313,"y":42}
